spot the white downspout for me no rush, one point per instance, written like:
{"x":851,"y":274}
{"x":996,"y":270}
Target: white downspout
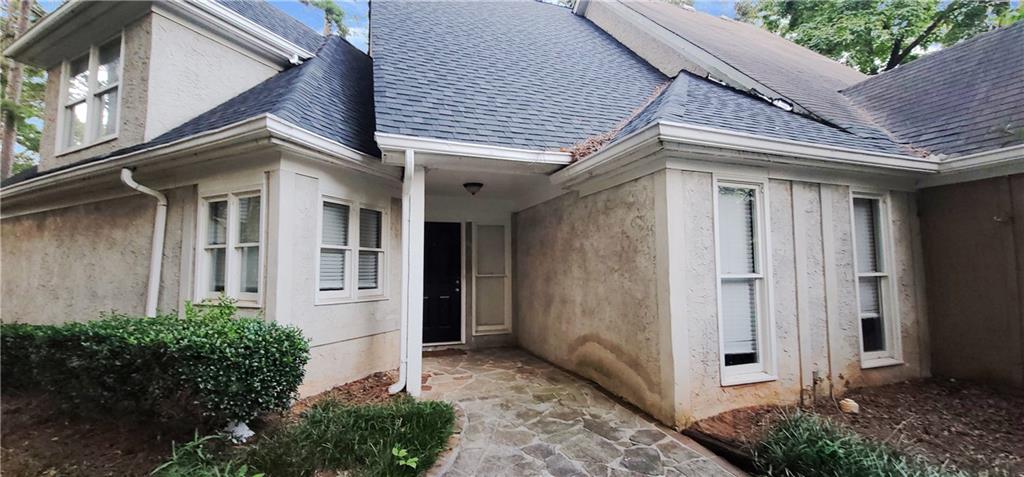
{"x":406,"y":226}
{"x":156,"y":254}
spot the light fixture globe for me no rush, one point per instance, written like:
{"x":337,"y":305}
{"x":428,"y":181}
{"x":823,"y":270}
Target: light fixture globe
{"x":473,"y":187}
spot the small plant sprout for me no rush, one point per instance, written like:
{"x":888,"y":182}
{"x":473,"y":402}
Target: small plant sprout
{"x":403,"y":457}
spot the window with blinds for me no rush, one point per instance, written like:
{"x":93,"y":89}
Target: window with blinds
{"x":371,"y":248}
{"x":230,"y":235}
{"x":334,"y":246}
{"x":742,"y":310}
{"x":872,"y":273}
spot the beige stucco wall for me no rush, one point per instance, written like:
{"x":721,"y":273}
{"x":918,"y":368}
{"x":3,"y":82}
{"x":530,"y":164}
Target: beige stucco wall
{"x":816,"y":322}
{"x":585,"y":289}
{"x":134,"y":91}
{"x":192,"y":73}
{"x":187,"y":71}
{"x":74,"y":263}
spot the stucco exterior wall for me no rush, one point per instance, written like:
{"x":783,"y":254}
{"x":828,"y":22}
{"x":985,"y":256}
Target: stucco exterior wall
{"x":134,"y":91}
{"x":192,"y":73}
{"x":74,"y":263}
{"x":348,"y":340}
{"x":585,"y":289}
{"x":974,"y":254}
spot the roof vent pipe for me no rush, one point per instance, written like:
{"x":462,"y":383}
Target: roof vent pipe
{"x":156,"y":253}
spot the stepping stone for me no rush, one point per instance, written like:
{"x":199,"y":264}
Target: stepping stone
{"x":647,"y":436}
{"x":589,"y":448}
{"x":539,"y":450}
{"x":645,"y":460}
{"x":559,"y":466}
{"x":602,"y":429}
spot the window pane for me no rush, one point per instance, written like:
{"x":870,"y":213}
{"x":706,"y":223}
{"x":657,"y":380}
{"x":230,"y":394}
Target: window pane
{"x":490,"y":250}
{"x":250,"y":269}
{"x":108,"y":113}
{"x":369,"y":228}
{"x":872,"y":319}
{"x":217,"y":262}
{"x":109,"y":64}
{"x":865,"y":229}
{"x":216,"y":228}
{"x":369,"y":270}
{"x":332,"y":269}
{"x":736,"y":230}
{"x":78,"y":79}
{"x":335,"y":224}
{"x":249,"y":219}
{"x":739,"y":321}
{"x":75,"y":117}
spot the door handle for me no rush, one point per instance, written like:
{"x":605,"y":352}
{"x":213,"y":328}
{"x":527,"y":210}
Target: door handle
{"x":444,"y":297}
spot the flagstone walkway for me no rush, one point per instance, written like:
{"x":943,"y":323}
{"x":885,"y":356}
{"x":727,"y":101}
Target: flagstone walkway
{"x":526,"y":417}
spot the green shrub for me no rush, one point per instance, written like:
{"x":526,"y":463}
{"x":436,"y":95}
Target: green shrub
{"x":363,"y":439}
{"x":209,"y":363}
{"x":203,"y":457}
{"x":803,"y":444}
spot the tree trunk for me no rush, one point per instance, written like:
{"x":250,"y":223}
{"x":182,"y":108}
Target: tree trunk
{"x":327,"y":24}
{"x":13,"y":93}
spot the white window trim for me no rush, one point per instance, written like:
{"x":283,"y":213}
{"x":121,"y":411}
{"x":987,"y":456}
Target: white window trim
{"x":892,"y":355}
{"x":506,"y":326}
{"x":232,"y":266}
{"x":93,"y":52}
{"x":352,"y":293}
{"x":764,"y":369}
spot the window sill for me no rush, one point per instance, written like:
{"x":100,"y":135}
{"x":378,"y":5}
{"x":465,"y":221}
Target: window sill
{"x":749,"y":378}
{"x":880,"y":363}
{"x":349,"y":301}
{"x":97,"y":142}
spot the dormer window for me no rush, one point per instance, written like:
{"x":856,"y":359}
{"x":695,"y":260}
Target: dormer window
{"x":91,"y":96}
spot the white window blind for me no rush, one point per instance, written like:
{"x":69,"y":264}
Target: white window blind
{"x":871,"y":273}
{"x":249,"y":243}
{"x":370,"y":248}
{"x":737,"y":219}
{"x":334,"y":246}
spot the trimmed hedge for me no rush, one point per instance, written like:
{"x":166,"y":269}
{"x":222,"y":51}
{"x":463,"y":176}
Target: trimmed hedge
{"x":209,"y":363}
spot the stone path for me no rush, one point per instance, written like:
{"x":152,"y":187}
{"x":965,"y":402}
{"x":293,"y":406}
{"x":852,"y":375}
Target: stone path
{"x":526,"y":417}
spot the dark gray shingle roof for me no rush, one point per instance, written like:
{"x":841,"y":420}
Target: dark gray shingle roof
{"x":277,"y":21}
{"x":964,"y":99}
{"x":801,"y":75}
{"x":520,"y":74}
{"x":697,"y":101}
{"x":330,"y":94}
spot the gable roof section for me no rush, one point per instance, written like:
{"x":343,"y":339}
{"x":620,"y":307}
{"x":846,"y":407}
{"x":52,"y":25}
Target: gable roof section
{"x":979,"y":82}
{"x":803,"y":77}
{"x":330,"y":95}
{"x":277,"y":21}
{"x":517,"y":74}
{"x":693,"y":100}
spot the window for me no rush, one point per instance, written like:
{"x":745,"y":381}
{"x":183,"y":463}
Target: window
{"x":492,"y":310}
{"x":340,"y":244}
{"x":230,"y":261}
{"x":743,"y":311}
{"x":872,"y":267}
{"x":91,"y":95}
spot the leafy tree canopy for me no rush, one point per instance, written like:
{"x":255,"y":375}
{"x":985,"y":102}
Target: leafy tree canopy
{"x":334,"y":16}
{"x":877,"y":35}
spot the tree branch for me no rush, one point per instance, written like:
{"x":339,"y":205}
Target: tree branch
{"x":895,"y":60}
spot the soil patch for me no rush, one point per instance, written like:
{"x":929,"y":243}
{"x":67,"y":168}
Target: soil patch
{"x":372,"y":389}
{"x":38,"y":439}
{"x":965,"y":425}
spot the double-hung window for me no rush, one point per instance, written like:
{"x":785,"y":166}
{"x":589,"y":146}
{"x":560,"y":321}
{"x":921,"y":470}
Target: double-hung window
{"x":871,"y":250}
{"x":743,"y":311}
{"x":350,"y":234}
{"x":91,"y":96}
{"x":230,"y":261}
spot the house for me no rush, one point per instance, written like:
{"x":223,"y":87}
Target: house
{"x":691,"y":212}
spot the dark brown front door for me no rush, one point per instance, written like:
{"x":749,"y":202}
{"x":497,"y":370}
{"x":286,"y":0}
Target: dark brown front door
{"x":442,"y":285}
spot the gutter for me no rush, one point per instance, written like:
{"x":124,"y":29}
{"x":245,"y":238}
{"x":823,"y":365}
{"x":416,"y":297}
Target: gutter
{"x":156,"y":253}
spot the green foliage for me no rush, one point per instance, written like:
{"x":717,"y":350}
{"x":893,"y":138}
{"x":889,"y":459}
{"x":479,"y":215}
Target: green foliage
{"x":210,"y":364}
{"x":398,"y":438}
{"x":803,"y":444}
{"x":333,"y":15}
{"x":27,"y":112}
{"x":203,"y":457}
{"x":876,"y":35}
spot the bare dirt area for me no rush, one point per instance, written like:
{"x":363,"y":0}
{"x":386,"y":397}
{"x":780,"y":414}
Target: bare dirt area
{"x":967,"y":426}
{"x":39,"y":439}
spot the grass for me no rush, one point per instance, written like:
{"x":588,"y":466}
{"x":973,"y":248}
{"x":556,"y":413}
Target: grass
{"x":803,"y":444}
{"x":400,"y":438}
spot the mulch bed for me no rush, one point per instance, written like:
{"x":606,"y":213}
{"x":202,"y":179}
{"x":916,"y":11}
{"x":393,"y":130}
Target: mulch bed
{"x":967,"y":426}
{"x":39,"y":439}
